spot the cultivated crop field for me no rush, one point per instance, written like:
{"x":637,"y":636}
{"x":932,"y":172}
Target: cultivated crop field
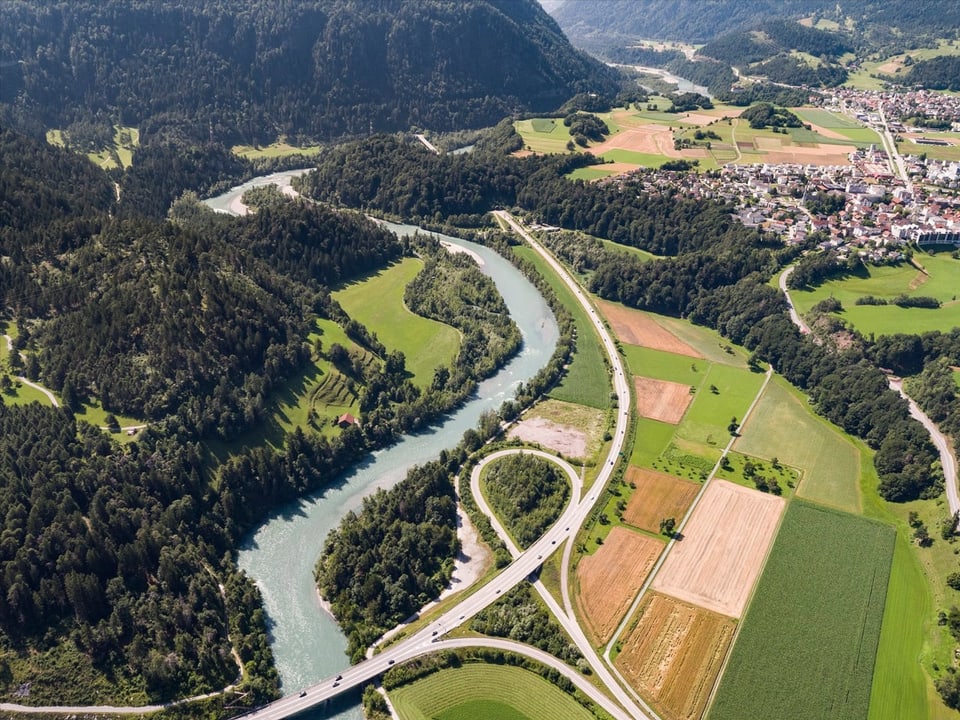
{"x":817,"y":614}
{"x":782,"y":426}
{"x":661,"y":400}
{"x":377,"y":302}
{"x":609,"y":579}
{"x":673,"y":655}
{"x":638,"y":328}
{"x":941,"y":280}
{"x":657,"y":496}
{"x":479,"y":690}
{"x":723,"y":548}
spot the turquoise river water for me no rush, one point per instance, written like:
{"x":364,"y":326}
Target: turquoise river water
{"x":280,"y":555}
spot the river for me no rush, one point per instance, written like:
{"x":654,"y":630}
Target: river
{"x":280,"y":555}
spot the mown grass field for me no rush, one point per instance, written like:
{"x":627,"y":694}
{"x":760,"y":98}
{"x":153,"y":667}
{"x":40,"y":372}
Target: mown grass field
{"x":941,"y":280}
{"x":277,"y":149}
{"x":636,"y":252}
{"x":895,"y":693}
{"x":707,"y":418}
{"x":491,"y":692}
{"x":377,"y":302}
{"x":665,"y":365}
{"x":816,"y":616}
{"x":783,"y":426}
{"x":544,"y":135}
{"x":590,"y":173}
{"x":586,"y":381}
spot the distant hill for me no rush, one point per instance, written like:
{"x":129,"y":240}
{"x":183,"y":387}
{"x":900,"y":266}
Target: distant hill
{"x":254,"y":69}
{"x":599,"y":24}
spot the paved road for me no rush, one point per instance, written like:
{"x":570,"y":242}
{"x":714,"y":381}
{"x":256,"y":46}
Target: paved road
{"x":429,"y":145}
{"x":526,"y":563}
{"x":794,"y":315}
{"x":947,"y":458}
{"x":896,"y":160}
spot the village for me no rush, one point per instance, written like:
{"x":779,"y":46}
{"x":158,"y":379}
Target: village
{"x":864,"y":207}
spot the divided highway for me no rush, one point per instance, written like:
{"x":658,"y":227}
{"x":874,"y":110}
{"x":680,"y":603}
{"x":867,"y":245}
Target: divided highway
{"x":526,"y":563}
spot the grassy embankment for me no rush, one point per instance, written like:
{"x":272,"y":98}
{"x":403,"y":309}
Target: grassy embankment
{"x":940,"y":280}
{"x":485,"y":691}
{"x":587,"y":381}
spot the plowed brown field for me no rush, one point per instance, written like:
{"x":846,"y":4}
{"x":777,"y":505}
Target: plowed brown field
{"x":609,"y":579}
{"x":673,"y":655}
{"x":661,"y":399}
{"x":636,"y":328}
{"x":657,"y":496}
{"x":724,"y":544}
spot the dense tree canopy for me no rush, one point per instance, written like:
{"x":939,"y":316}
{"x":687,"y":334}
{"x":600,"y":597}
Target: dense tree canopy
{"x":233,"y":69}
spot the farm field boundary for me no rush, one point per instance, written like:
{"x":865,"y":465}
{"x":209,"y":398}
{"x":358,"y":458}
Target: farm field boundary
{"x":817,"y":610}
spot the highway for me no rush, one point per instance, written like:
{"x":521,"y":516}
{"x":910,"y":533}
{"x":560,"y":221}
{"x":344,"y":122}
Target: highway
{"x":524,"y":565}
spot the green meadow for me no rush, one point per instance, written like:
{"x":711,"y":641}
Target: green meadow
{"x":783,"y":426}
{"x":544,"y":135}
{"x":376,"y":301}
{"x":273,"y":150}
{"x":491,"y":692}
{"x":118,"y":155}
{"x":939,"y":279}
{"x":587,"y":380}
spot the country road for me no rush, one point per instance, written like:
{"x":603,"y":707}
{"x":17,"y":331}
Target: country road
{"x":40,"y":388}
{"x":948,"y":459}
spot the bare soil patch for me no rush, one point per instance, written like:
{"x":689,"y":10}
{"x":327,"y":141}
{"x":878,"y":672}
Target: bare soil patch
{"x":723,"y":548}
{"x":818,"y":154}
{"x":636,"y":328}
{"x":609,"y":579}
{"x":566,"y":439}
{"x":662,"y":400}
{"x":658,"y":496}
{"x":673,"y":655}
{"x":653,"y":139}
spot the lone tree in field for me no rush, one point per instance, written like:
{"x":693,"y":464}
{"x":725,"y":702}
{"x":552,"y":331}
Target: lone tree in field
{"x":667,"y":526}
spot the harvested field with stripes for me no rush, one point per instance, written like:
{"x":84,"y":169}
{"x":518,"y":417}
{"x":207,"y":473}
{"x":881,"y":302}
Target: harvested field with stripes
{"x":673,"y":654}
{"x":716,"y":563}
{"x":609,"y":579}
{"x":661,"y":399}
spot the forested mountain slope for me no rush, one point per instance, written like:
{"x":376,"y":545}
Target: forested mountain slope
{"x":598,"y":24}
{"x":253,"y":70}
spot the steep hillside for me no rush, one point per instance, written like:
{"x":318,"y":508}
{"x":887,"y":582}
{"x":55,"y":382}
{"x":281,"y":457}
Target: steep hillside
{"x":599,"y":24}
{"x":253,"y":70}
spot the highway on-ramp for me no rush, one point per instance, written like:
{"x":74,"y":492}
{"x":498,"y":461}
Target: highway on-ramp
{"x":524,"y":566}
